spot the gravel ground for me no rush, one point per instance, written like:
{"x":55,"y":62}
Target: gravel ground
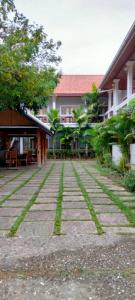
{"x":94,"y":268}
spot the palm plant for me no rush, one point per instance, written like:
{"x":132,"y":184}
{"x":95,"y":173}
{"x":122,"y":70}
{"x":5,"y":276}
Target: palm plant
{"x":100,"y":140}
{"x":67,"y":137}
{"x":80,"y":117}
{"x":120,"y":128}
{"x":55,"y":126}
{"x":93,"y":105}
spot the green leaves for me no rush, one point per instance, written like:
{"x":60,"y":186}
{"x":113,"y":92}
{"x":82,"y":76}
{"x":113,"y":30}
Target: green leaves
{"x":93,"y":105}
{"x":118,"y":129}
{"x":80,"y":116}
{"x":27,"y":61}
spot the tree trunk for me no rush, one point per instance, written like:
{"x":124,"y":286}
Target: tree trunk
{"x":53,"y":144}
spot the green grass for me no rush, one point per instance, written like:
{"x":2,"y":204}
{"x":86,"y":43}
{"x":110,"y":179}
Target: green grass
{"x":88,"y":202}
{"x":124,"y":209}
{"x":111,"y":173}
{"x":57,"y":222}
{"x":19,"y":187}
{"x":26,"y":209}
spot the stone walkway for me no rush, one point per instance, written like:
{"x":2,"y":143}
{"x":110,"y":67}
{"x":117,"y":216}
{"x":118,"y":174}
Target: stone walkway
{"x":63,"y":198}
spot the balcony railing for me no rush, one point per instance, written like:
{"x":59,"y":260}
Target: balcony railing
{"x":67,"y":119}
{"x":123,"y":104}
{"x":64,"y":119}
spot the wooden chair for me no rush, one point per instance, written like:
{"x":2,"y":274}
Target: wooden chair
{"x":26,"y":158}
{"x":11,"y":158}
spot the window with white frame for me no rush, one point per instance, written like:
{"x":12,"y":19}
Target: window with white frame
{"x":67,"y":109}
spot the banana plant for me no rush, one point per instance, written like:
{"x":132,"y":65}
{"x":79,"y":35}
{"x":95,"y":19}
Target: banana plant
{"x":81,"y":118}
{"x":55,"y":126}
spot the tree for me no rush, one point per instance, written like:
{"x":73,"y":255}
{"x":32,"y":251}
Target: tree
{"x":100,"y":139}
{"x":92,"y":100}
{"x":28,"y":61}
{"x":55,"y":126}
{"x":80,"y":117}
{"x":67,"y":137}
{"x":119,"y":129}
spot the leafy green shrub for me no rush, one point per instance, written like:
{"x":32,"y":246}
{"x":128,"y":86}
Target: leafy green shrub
{"x":122,"y":165}
{"x":107,"y":160}
{"x":129,"y":181}
{"x":69,"y":154}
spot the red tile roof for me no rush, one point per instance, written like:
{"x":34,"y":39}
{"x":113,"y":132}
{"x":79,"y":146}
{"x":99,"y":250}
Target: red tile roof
{"x":76,"y":85}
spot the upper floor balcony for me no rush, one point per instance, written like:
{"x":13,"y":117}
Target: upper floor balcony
{"x":123,"y":102}
{"x":66,"y":120}
{"x":65,"y":115}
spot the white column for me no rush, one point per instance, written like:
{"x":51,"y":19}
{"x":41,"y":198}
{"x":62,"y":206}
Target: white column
{"x":129,"y":78}
{"x":54,"y":102}
{"x":21,"y":145}
{"x":115,"y":92}
{"x":109,"y":99}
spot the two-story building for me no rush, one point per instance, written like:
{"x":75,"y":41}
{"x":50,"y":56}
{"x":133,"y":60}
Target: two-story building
{"x":118,"y":84}
{"x":68,"y":95}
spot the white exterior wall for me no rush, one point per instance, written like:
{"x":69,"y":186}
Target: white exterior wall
{"x":132,"y":156}
{"x":61,"y":101}
{"x":68,"y":101}
{"x":116,"y":154}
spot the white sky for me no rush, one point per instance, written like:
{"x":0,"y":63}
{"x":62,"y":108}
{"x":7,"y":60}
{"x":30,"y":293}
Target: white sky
{"x":91,"y":31}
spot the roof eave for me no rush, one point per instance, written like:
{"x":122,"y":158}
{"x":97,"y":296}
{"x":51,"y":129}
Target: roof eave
{"x":38,"y":123}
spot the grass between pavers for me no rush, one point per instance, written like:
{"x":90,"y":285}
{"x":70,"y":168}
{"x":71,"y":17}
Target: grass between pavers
{"x":124,"y":209}
{"x":19,"y":187}
{"x":58,"y":214}
{"x":26,"y":209}
{"x":113,"y":174}
{"x":88,"y":202}
{"x":13,"y":178}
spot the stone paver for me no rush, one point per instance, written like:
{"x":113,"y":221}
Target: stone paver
{"x":40,"y":215}
{"x":45,"y":200}
{"x":73,"y":198}
{"x":78,"y":227}
{"x":44,"y":206}
{"x":106,"y":209}
{"x":120,"y":230}
{"x":9,"y":212}
{"x":6,"y":222}
{"x":36,"y":229}
{"x":75,"y":217}
{"x":74,"y":204}
{"x":101,"y":201}
{"x":75,"y":214}
{"x":72,"y":193}
{"x":112,"y":219}
{"x":15,"y":203}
